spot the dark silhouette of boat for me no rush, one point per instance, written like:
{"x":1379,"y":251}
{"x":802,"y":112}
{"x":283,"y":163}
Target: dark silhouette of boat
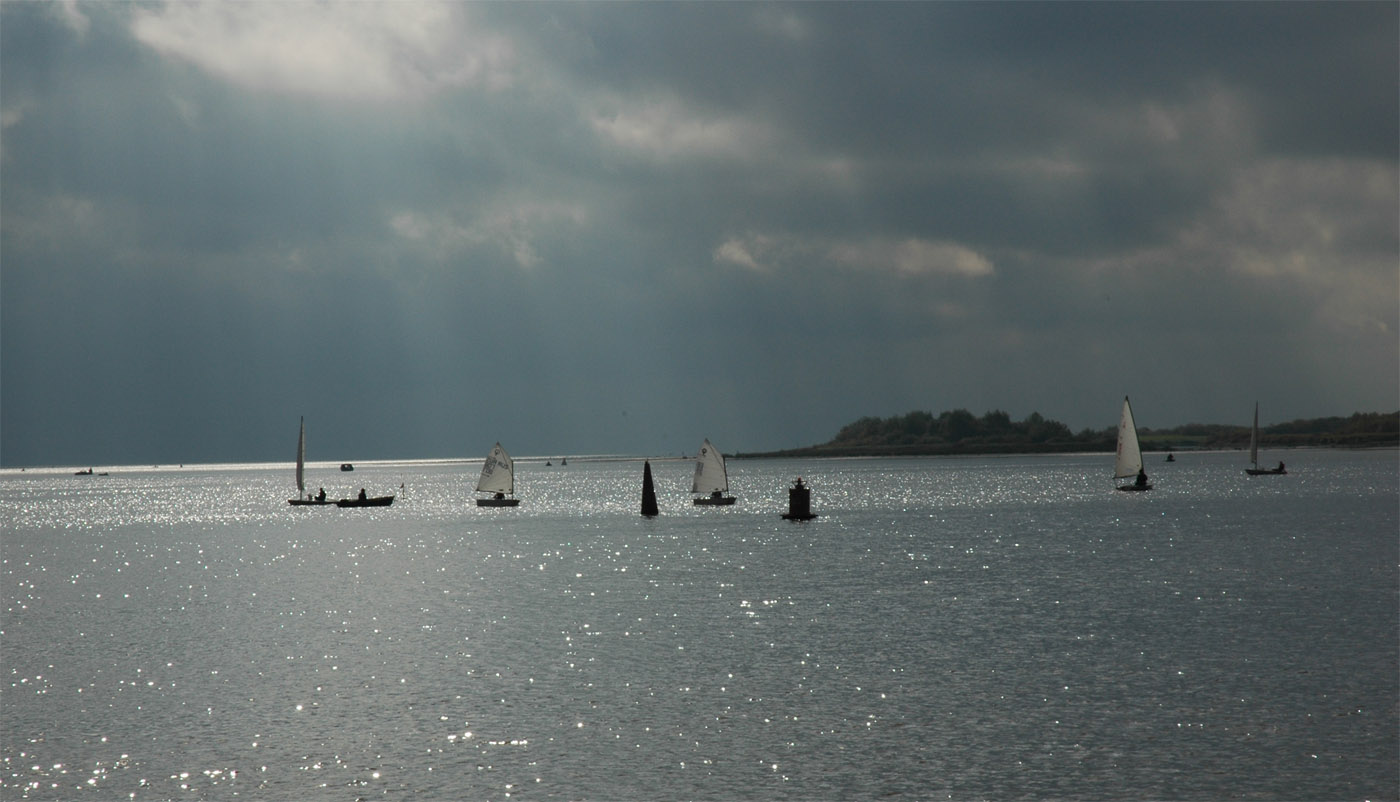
{"x":1254,"y":451}
{"x":363,"y":501}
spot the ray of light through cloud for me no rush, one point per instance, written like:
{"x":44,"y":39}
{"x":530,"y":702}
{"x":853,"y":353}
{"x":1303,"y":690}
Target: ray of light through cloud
{"x":582,"y":227}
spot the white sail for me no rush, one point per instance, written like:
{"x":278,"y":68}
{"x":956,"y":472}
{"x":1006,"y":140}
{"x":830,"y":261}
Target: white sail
{"x":1254,"y":438}
{"x":301,"y":458}
{"x":498,"y":473}
{"x":709,"y":471}
{"x":1129,"y":460}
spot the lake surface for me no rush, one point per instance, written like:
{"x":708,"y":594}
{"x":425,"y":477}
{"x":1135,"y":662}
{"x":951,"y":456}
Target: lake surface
{"x":982,"y":628}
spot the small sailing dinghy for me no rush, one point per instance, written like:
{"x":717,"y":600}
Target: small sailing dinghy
{"x":1254,"y":451}
{"x":303,"y":500}
{"x":498,"y":479}
{"x":711,"y":479}
{"x":1128,"y":464}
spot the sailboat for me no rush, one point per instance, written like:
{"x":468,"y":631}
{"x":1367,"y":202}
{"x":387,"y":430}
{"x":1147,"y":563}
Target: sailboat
{"x":1254,"y":451}
{"x":302,"y":500}
{"x":498,"y":479}
{"x":1128,"y":464}
{"x":711,"y":479}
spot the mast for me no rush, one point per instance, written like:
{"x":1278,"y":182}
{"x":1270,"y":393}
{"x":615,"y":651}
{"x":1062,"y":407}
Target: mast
{"x":301,"y":458}
{"x":1254,"y":438}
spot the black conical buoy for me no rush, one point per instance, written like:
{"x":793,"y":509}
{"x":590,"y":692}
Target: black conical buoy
{"x":648,"y":492}
{"x":799,"y":502}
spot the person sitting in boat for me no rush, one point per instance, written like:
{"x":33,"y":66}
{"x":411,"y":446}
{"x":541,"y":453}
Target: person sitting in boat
{"x":716,"y":494}
{"x":1280,"y":466}
{"x":321,"y":496}
{"x":362,"y":494}
{"x":1141,"y":478}
{"x":500,"y":495}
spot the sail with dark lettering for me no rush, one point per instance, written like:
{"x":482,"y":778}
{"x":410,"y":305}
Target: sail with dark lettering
{"x":497,"y":479}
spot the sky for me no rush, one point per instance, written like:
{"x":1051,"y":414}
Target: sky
{"x":581,"y":228}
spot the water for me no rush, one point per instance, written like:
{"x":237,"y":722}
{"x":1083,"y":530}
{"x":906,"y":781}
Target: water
{"x":991,"y":628}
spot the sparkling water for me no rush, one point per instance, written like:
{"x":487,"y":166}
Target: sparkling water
{"x":980,"y":628}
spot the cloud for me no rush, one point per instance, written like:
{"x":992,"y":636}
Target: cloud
{"x":665,"y":129}
{"x":913,"y":257}
{"x":74,"y":17}
{"x":1010,"y":194}
{"x":908,"y":256}
{"x":509,"y":229}
{"x":346,"y":51}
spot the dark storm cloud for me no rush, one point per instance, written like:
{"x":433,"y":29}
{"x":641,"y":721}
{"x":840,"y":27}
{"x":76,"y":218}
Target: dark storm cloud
{"x":608,"y":227}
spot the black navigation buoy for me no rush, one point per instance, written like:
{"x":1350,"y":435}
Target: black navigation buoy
{"x":799,"y":502}
{"x":648,"y":492}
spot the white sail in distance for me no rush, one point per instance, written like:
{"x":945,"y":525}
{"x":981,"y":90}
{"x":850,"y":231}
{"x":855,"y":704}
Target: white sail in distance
{"x":710,"y":474}
{"x":1129,"y":460}
{"x":498,"y":473}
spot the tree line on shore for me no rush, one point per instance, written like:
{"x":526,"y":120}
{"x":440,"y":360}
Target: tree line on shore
{"x":960,"y":432}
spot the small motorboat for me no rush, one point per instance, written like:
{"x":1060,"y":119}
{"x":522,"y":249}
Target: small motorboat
{"x":372,"y":501}
{"x":345,"y":466}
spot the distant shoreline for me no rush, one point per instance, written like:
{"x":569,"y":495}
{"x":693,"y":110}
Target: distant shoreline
{"x":1030,"y":450}
{"x":960,"y":433}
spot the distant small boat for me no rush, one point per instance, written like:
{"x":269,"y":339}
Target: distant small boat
{"x":1128,"y":464}
{"x":87,"y":472}
{"x":649,"y":508}
{"x":1171,"y":457}
{"x":564,"y":461}
{"x":498,"y":479}
{"x":345,"y":466}
{"x":366,"y":501}
{"x":711,"y":478}
{"x":1254,"y":451}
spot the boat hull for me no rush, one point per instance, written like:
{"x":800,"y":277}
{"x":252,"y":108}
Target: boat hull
{"x":1264,"y":472}
{"x":1134,"y":488}
{"x":301,"y":502}
{"x":497,"y":502}
{"x":714,"y":501}
{"x":377,"y":501}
